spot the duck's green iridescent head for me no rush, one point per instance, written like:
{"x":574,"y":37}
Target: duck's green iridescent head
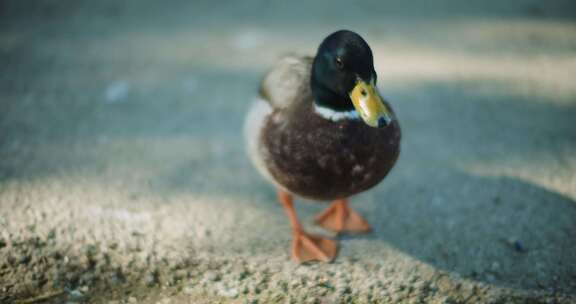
{"x":343,"y":78}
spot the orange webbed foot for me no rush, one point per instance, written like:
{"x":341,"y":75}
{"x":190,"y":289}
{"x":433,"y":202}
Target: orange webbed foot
{"x":306,"y":248}
{"x":341,"y":219}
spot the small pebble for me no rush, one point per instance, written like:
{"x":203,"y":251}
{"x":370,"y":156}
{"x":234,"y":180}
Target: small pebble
{"x":243,"y":274}
{"x":447,"y":300}
{"x":189,"y":290}
{"x":75,"y":295}
{"x":24,"y":259}
{"x":211,"y":276}
{"x":227,"y":292}
{"x":245,"y":290}
{"x":116,"y":91}
{"x":118,"y":277}
{"x":152,"y":278}
{"x":518,"y":246}
{"x":51,"y":234}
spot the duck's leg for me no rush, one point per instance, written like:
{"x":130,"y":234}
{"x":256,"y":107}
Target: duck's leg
{"x":340,"y":218}
{"x":306,"y":247}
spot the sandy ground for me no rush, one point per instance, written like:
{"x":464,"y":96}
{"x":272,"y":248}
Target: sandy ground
{"x":123,"y":177}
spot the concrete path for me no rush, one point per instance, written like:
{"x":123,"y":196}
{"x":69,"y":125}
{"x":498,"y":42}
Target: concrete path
{"x":123,"y":177}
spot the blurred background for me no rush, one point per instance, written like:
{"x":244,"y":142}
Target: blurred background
{"x":123,"y":175}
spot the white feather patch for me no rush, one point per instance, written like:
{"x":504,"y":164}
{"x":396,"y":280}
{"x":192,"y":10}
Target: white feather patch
{"x":335,"y":115}
{"x":253,"y":127}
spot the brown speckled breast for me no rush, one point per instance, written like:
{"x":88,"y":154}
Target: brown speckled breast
{"x":324,"y":160}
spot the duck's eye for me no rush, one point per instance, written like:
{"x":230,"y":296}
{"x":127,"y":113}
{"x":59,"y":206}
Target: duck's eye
{"x":339,"y":63}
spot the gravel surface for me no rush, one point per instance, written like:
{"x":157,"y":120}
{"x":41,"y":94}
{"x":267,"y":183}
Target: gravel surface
{"x":123,"y":177}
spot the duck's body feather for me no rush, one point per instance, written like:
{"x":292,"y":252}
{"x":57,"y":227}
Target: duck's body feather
{"x":310,"y":155}
{"x":287,"y":82}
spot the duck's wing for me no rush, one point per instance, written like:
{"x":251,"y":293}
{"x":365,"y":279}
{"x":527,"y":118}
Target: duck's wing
{"x":287,"y":81}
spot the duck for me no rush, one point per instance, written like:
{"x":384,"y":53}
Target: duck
{"x":320,"y":130}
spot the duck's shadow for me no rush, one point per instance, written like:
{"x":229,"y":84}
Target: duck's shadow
{"x":502,"y":231}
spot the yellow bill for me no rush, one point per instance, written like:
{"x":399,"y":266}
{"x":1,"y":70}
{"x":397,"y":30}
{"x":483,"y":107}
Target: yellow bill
{"x":369,"y":105}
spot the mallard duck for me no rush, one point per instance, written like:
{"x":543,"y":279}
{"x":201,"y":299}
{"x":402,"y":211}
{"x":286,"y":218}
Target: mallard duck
{"x":320,"y":130}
